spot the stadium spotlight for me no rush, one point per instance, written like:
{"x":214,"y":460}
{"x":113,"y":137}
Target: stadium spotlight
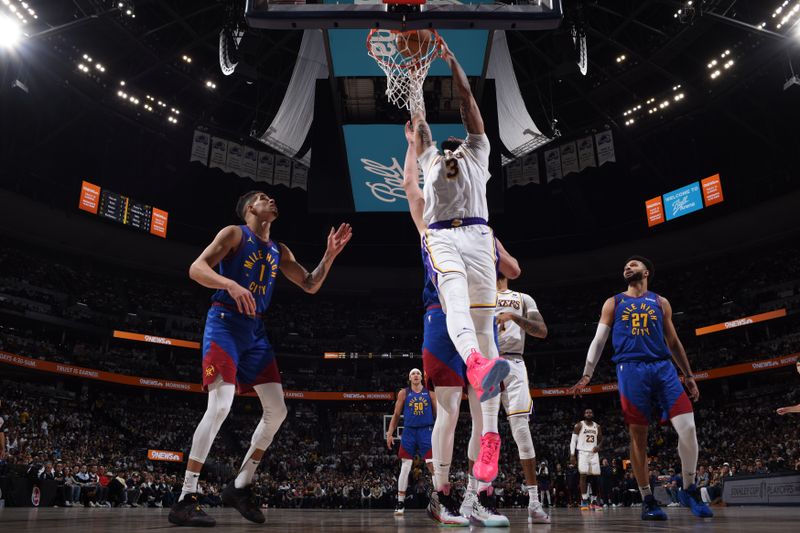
{"x":9,"y":32}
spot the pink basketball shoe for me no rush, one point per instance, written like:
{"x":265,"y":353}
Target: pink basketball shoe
{"x":485,"y":468}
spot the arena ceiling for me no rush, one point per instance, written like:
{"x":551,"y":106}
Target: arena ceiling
{"x":640,"y":55}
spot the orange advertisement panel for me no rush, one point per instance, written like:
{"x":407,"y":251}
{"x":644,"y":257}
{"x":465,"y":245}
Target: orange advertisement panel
{"x":739,"y":322}
{"x":156,"y":383}
{"x":90,"y":197}
{"x":165,"y":455}
{"x":158,"y":223}
{"x":655,"y":211}
{"x":129,"y":335}
{"x":712,"y":190}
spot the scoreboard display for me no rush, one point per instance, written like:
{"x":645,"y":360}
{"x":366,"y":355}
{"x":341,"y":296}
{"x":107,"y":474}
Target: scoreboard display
{"x":123,"y":209}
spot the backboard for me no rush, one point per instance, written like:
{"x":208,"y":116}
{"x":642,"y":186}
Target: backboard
{"x":438,"y":14}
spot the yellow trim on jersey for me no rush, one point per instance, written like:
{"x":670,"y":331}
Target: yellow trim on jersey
{"x":430,"y":254}
{"x":524,"y":411}
{"x":483,"y":306}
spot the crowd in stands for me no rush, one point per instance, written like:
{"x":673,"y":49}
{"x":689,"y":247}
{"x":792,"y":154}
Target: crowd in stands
{"x":93,"y":443}
{"x":65,"y":312}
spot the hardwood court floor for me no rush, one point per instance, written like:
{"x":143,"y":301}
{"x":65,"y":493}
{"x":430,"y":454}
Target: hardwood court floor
{"x":80,"y":520}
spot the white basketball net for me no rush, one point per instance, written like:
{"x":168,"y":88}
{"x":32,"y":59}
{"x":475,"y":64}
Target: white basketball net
{"x":405,"y":69}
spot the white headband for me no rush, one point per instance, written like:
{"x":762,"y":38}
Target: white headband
{"x":412,"y":371}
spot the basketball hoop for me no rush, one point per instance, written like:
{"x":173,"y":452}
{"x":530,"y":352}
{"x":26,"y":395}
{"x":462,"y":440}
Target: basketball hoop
{"x":405,"y":57}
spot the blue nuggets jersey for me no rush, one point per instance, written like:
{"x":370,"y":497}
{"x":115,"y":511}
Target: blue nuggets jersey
{"x":418,"y":409}
{"x":638,"y":332}
{"x":254,"y":266}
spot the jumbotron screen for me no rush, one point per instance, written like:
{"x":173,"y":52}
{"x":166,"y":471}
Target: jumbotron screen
{"x":123,"y":209}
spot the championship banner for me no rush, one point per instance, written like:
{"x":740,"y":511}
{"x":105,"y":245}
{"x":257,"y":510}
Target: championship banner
{"x":234,"y":163}
{"x":90,"y":197}
{"x":164,"y":455}
{"x":300,"y":177}
{"x":513,"y":174}
{"x":714,"y":373}
{"x":530,"y":169}
{"x":739,"y":322}
{"x":605,"y":147}
{"x":586,"y":153}
{"x":283,"y":170}
{"x":219,"y":153}
{"x":249,"y":163}
{"x":200,"y":147}
{"x":266,"y":166}
{"x":569,"y":158}
{"x":131,"y":336}
{"x":712,"y":190}
{"x":552,"y":164}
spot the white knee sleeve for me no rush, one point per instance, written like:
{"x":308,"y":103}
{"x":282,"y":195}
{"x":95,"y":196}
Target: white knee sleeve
{"x":521,"y":432}
{"x":448,"y":401}
{"x":402,"y":479}
{"x":453,"y":293}
{"x":687,"y":446}
{"x":476,"y":413}
{"x":220,"y":398}
{"x":483,"y":320}
{"x":273,"y":415}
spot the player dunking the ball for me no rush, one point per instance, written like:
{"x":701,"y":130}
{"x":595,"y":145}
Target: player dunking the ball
{"x":236,"y":351}
{"x":418,"y":406}
{"x":460,"y":248}
{"x":445,"y":372}
{"x":645,"y":341}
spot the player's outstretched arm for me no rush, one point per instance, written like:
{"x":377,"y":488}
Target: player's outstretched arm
{"x":202,"y":269}
{"x":678,"y":353}
{"x":789,"y":409}
{"x":470,"y":113}
{"x":398,"y":410}
{"x":311,"y":282}
{"x":507,"y":263}
{"x":596,"y":347}
{"x":416,"y":202}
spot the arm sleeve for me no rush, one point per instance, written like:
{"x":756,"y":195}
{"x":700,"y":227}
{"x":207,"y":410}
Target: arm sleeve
{"x":573,"y":443}
{"x":596,"y":349}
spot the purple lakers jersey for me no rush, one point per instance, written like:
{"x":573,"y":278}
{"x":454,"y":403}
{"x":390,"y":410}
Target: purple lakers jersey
{"x":638,"y":332}
{"x":254,"y":266}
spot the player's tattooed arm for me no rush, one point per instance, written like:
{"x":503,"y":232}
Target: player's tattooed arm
{"x":533,"y":324}
{"x":470,"y":113}
{"x":311,"y":282}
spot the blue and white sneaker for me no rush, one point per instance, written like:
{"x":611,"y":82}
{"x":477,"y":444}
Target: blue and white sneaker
{"x":691,"y":498}
{"x":651,"y":509}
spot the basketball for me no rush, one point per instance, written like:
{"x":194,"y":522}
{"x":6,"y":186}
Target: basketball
{"x":411,"y":43}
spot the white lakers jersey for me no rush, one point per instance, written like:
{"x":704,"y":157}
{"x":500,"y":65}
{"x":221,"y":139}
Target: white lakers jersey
{"x":587,"y":438}
{"x":511,"y":337}
{"x":455,"y":183}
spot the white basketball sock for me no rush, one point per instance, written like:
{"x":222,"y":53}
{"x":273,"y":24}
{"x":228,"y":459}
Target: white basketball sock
{"x":190,"y":480}
{"x":533,"y":494}
{"x":246,"y":473}
{"x":448,"y":401}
